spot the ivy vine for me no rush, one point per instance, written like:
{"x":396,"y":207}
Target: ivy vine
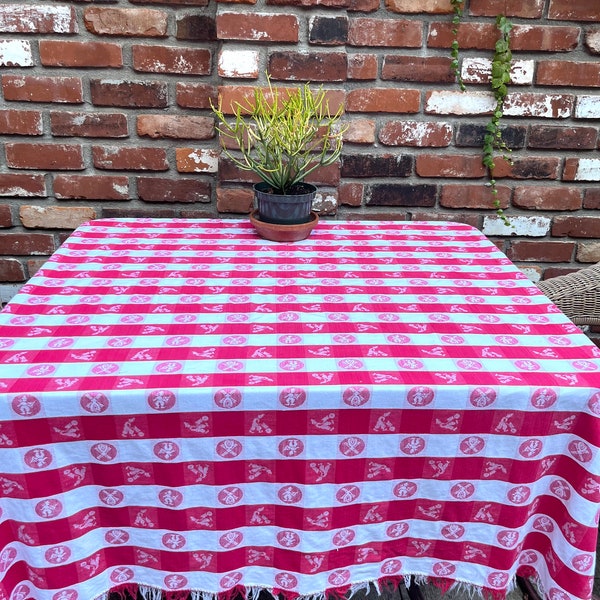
{"x":493,"y":141}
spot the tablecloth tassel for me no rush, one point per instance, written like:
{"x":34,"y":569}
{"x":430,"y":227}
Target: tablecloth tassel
{"x":149,"y":593}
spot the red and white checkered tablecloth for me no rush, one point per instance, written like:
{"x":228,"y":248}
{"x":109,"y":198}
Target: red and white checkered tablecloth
{"x":187,"y":407}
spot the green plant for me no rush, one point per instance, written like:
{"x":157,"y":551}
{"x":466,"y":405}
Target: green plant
{"x":282,"y":135}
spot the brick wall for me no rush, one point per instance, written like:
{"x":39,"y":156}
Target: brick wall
{"x":105,"y":112}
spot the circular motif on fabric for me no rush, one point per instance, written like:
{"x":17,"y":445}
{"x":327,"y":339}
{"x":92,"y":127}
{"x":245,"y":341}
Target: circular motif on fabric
{"x":580,"y":451}
{"x":290,"y":494}
{"x":41,"y":370}
{"x":583,"y":562}
{"x":291,"y":364}
{"x":508,"y":538}
{"x":527,"y":365}
{"x":230,"y":580}
{"x":343,"y":537}
{"x":237,"y":318}
{"x":468,"y":364}
{"x":59,"y":343}
{"x":171,"y":366}
{"x":398,"y":338}
{"x":420,"y":396}
{"x":338,"y":317}
{"x":543,"y":398}
{"x":528,"y":557}
{"x":6,"y":343}
{"x":455,"y":340}
{"x":161,"y":400}
{"x":103,"y":452}
{"x":356,"y":396}
{"x":190,"y":299}
{"x":483,"y":397}
{"x":594,"y":403}
{"x":235,"y":340}
{"x":519,"y":494}
{"x":178,"y":340}
{"x":561,"y":489}
{"x":410,"y":364}
{"x":166,"y":450}
{"x":335,"y":298}
{"x":228,"y":398}
{"x":347,"y":494}
{"x":230,"y":496}
{"x":116,"y":537}
{"x":412,"y":445}
{"x":229,"y":448}
{"x":559,"y":340}
{"x":26,"y":405}
{"x":531,"y":448}
{"x":111,"y":496}
{"x":292,"y":397}
{"x":498,"y":579}
{"x":380,"y":298}
{"x":185,"y":318}
{"x":472,"y":445}
{"x":489,"y":318}
{"x":291,"y":447}
{"x":69,"y":594}
{"x":57,"y":554}
{"x":173,"y":540}
{"x":543,"y":524}
{"x":339,"y":577}
{"x":7,"y":557}
{"x":405,"y":489}
{"x":444,"y":569}
{"x":507,"y":340}
{"x":453,"y":531}
{"x":120,"y":342}
{"x":288,"y":539}
{"x":286,"y":581}
{"x":290,"y":339}
{"x":388,"y":317}
{"x":239,"y":299}
{"x":556,"y":594}
{"x":48,"y":508}
{"x":175,"y":581}
{"x":585,"y":365}
{"x":397,"y":530}
{"x":462,"y":490}
{"x":352,"y":446}
{"x":391,"y":566}
{"x":170,"y":497}
{"x":289,"y":316}
{"x":38,"y":458}
{"x":130,"y":319}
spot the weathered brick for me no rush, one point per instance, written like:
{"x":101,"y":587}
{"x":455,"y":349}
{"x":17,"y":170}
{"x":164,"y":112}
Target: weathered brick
{"x":459,"y":103}
{"x":110,"y":212}
{"x":309,"y":3}
{"x":30,"y":88}
{"x":544,"y":106}
{"x":528,"y":167}
{"x":581,"y":169}
{"x":238,"y":64}
{"x":532,"y":9}
{"x":91,"y":187}
{"x":434,"y":69}
{"x":49,"y":157}
{"x":55,"y":217}
{"x":383,"y":100}
{"x":455,"y":216}
{"x":21,"y":122}
{"x":134,"y":94}
{"x":479,"y":70}
{"x":420,"y":134}
{"x":455,"y":195}
{"x":423,"y":6}
{"x":132,"y":22}
{"x":574,"y":10}
{"x":511,"y":225}
{"x":591,"y":198}
{"x":351,"y":194}
{"x":197,"y":160}
{"x":6,"y":219}
{"x":376,"y":165}
{"x":401,"y":194}
{"x":37,"y":18}
{"x":195,"y":95}
{"x":171,"y":59}
{"x":235,"y":200}
{"x":360,"y":131}
{"x":587,"y":107}
{"x":15,"y":53}
{"x":313,"y":66}
{"x":257,"y":27}
{"x":541,"y":251}
{"x":576,"y":226}
{"x":26,"y":244}
{"x":362,"y":66}
{"x":389,"y":33}
{"x":84,"y":124}
{"x":58,"y":53}
{"x":170,"y":2}
{"x":568,"y":73}
{"x":472,"y":135}
{"x":449,"y":165}
{"x":543,"y":38}
{"x":588,"y":252}
{"x":471,"y":36}
{"x":199,"y":28}
{"x":328,"y":31}
{"x":176,"y":127}
{"x":563,"y":138}
{"x":158,"y":189}
{"x":130,"y":159}
{"x":592,"y":40}
{"x":362,"y":6}
{"x":537,"y":197}
{"x":11,"y":270}
{"x":22,"y":185}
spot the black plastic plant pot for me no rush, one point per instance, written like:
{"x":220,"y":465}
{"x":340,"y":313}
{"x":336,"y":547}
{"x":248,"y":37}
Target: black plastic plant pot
{"x":288,"y":209}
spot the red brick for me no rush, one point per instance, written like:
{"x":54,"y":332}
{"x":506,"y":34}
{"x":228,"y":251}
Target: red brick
{"x":49,"y":157}
{"x":548,"y":106}
{"x":449,"y":165}
{"x":384,"y":100}
{"x":26,"y":244}
{"x":541,"y":251}
{"x":544,"y":39}
{"x":529,"y":167}
{"x":29,"y":88}
{"x":568,"y":73}
{"x":362,"y":66}
{"x":55,"y":217}
{"x":478,"y":36}
{"x":134,"y":94}
{"x":467,"y":218}
{"x":389,"y":33}
{"x":197,"y":27}
{"x":591,"y":199}
{"x":473,"y":196}
{"x":574,"y":10}
{"x":55,"y":53}
{"x":22,"y":185}
{"x":82,"y":124}
{"x":351,"y":194}
{"x":576,"y":226}
{"x":235,"y":200}
{"x":435,"y":7}
{"x":21,"y":122}
{"x":11,"y":270}
{"x":563,"y":138}
{"x":258,"y":27}
{"x":531,"y":9}
{"x":134,"y":159}
{"x":91,"y":187}
{"x":363,"y":6}
{"x":433,"y":69}
{"x":195,"y":95}
{"x":581,"y":169}
{"x":420,"y":134}
{"x":172,"y":2}
{"x":165,"y":59}
{"x":535,"y":197}
{"x":112,"y":212}
{"x":314,"y":66}
{"x":6,"y":219}
{"x":131,"y":22}
{"x":328,"y":31}
{"x":197,"y":160}
{"x":20,"y":18}
{"x":156,"y":189}
{"x":176,"y":127}
{"x":360,"y":131}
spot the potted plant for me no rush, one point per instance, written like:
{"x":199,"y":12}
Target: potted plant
{"x":282,"y":135}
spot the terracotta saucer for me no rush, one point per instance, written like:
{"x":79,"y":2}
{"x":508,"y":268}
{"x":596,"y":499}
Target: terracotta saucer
{"x":284,"y":233}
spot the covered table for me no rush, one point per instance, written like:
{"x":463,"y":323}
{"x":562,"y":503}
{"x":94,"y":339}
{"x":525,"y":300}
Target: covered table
{"x":189,"y":408}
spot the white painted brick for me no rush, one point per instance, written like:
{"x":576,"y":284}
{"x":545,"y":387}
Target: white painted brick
{"x":532,"y":273}
{"x":15,"y":53}
{"x":587,"y":107}
{"x":26,"y":18}
{"x":588,"y":169}
{"x":478,"y":70}
{"x":526,"y":226}
{"x":205,"y":160}
{"x":460,"y":103}
{"x":238,"y":63}
{"x":548,"y":106}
